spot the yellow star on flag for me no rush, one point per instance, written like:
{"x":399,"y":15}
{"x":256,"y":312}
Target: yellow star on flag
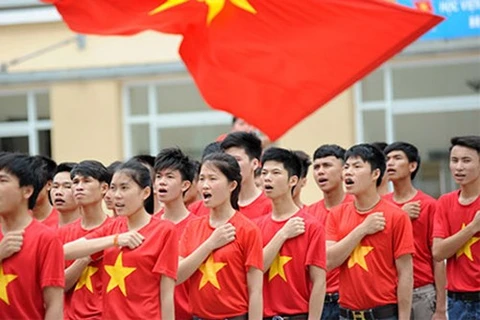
{"x":214,"y":7}
{"x":5,"y":279}
{"x":466,"y":249}
{"x":278,"y":267}
{"x":86,"y":278}
{"x":358,"y":256}
{"x":117,"y":274}
{"x":209,"y":272}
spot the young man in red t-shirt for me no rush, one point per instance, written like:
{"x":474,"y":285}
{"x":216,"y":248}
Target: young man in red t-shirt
{"x":61,"y":194}
{"x":83,"y":277}
{"x":327,"y":171}
{"x":371,"y":241}
{"x":31,"y":255}
{"x":302,"y":179}
{"x":294,"y":244}
{"x":403,"y":162}
{"x":456,"y":233}
{"x":246,"y":148}
{"x":174,"y":173}
{"x":43,"y":210}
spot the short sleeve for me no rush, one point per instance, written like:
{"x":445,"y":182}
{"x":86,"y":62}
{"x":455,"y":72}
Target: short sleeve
{"x":167,"y":259}
{"x":185,"y":242}
{"x":331,"y":229}
{"x":402,"y":235}
{"x":316,"y":251}
{"x":52,"y":261}
{"x":440,"y":221}
{"x":253,"y":248}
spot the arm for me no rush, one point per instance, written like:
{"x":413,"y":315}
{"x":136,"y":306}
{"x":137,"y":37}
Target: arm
{"x":82,"y":247}
{"x":53,"y":300}
{"x":440,"y":283}
{"x":74,"y":271}
{"x":188,"y":265}
{"x":255,"y":293}
{"x":317,"y":295}
{"x":167,"y":286}
{"x":445,"y":248}
{"x":339,"y":251}
{"x":404,"y":267}
{"x":291,"y":229}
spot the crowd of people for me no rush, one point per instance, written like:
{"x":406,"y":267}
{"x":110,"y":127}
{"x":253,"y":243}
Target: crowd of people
{"x":228,"y":237}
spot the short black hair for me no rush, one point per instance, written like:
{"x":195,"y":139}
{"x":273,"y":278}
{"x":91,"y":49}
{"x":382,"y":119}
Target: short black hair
{"x":22,"y":167}
{"x":113,"y":167}
{"x":380,"y":145}
{"x":290,"y":161}
{"x":145,"y":159}
{"x":64,"y":167}
{"x":244,"y":140}
{"x":471,"y":142}
{"x":175,"y":159}
{"x":212,"y":147}
{"x":44,"y":168}
{"x":410,"y":151}
{"x":328,"y":150}
{"x":92,"y":168}
{"x":371,"y":155}
{"x":304,"y":161}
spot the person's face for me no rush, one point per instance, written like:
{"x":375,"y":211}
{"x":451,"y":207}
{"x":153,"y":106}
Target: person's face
{"x":247,"y":166}
{"x":128,"y":196}
{"x":87,"y":190}
{"x":398,"y":167}
{"x":276,"y":181}
{"x":327,"y":172}
{"x":62,"y":194}
{"x":464,"y":165}
{"x":43,"y":194}
{"x":169,"y":185}
{"x":302,"y":182}
{"x":242,"y":125}
{"x":192,"y":193}
{"x":214,"y":186}
{"x":358,"y":175}
{"x":11,"y":194}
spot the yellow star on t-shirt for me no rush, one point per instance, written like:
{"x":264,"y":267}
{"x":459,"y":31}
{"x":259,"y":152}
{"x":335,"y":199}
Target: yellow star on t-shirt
{"x":86,"y":278}
{"x":358,"y":256}
{"x":117,"y":274}
{"x":278,"y":267}
{"x":466,"y":249}
{"x":5,"y":279}
{"x":209,"y":272}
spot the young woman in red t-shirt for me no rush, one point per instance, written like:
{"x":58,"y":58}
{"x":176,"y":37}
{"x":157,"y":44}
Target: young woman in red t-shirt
{"x":221,"y":253}
{"x":140,"y":252}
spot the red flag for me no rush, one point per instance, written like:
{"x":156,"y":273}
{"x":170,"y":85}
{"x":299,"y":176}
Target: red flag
{"x":270,"y":62}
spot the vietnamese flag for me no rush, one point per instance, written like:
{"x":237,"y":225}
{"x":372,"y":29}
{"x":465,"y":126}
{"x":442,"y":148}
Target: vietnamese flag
{"x":270,"y":62}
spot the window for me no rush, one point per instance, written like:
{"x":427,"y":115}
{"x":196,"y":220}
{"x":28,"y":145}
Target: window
{"x":425,"y":103}
{"x":25,"y":122}
{"x":169,"y":113}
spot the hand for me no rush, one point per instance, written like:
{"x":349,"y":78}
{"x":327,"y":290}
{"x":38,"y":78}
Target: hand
{"x":439,"y":315}
{"x":412,"y":208}
{"x":221,"y":236}
{"x":131,"y":239}
{"x":476,"y":222}
{"x":11,"y":243}
{"x":294,"y":227}
{"x":374,"y":223}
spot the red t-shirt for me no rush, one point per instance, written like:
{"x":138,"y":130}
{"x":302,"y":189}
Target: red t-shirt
{"x":218,"y":289}
{"x":84,"y":300}
{"x":261,"y":206}
{"x":24,"y":275}
{"x":463,"y":268}
{"x":321,"y":212}
{"x":371,"y":266}
{"x":131,"y":278}
{"x":422,"y":235}
{"x":287,"y":284}
{"x":52,"y":219}
{"x":182,"y":303}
